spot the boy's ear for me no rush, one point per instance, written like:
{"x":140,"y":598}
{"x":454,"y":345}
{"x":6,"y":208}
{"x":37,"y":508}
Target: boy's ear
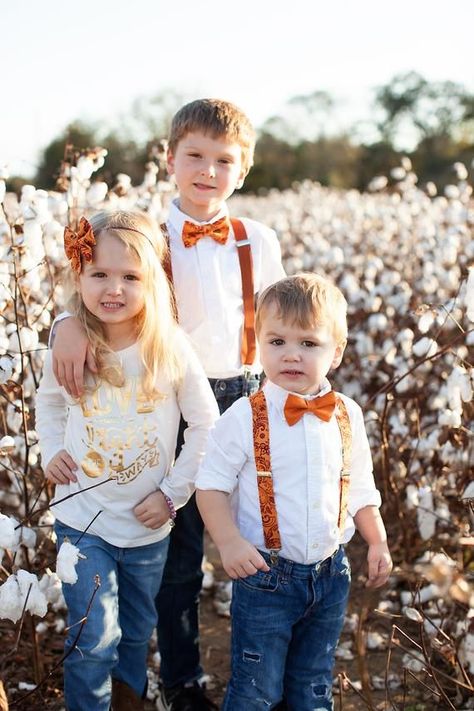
{"x":170,"y":162}
{"x":242,"y":176}
{"x":339,"y":352}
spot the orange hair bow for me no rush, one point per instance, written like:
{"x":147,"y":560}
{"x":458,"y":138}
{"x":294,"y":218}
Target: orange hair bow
{"x":79,"y":244}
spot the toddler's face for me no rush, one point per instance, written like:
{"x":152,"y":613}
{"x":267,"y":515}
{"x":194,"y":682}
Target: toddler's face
{"x":207,"y":171}
{"x":112,"y":286}
{"x":294,"y":358}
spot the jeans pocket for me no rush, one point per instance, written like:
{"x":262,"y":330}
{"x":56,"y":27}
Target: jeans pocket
{"x":341,"y":565}
{"x":261,"y":581}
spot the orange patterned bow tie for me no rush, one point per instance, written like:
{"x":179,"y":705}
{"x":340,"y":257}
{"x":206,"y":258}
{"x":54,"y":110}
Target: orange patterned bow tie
{"x":218,"y":230}
{"x":322,"y":407}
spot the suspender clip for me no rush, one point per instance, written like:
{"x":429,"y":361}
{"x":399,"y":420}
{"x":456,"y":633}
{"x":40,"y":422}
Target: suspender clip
{"x":273,"y":557}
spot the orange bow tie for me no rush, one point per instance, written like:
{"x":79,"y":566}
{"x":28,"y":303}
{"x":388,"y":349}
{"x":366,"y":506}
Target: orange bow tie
{"x":218,"y":230}
{"x":322,"y":407}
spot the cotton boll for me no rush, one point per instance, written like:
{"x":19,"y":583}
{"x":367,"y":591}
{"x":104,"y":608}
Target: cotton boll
{"x":377,"y":183}
{"x":27,"y":337}
{"x":11,"y":605}
{"x":398,"y":173}
{"x":450,"y":418}
{"x":8,"y":535}
{"x":468,"y":492}
{"x":67,"y":559}
{"x":36,"y":603}
{"x":469,"y":294}
{"x":7,"y":445}
{"x":50,"y":585}
{"x":97,"y":193}
{"x":425,"y":513}
{"x":426,"y":321}
{"x":425,"y":348}
{"x":6,"y":369}
{"x":27,"y":536}
{"x":466,"y":651}
{"x":412,"y":499}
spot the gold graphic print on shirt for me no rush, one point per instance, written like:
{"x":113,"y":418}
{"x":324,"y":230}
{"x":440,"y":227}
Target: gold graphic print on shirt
{"x":116,"y":422}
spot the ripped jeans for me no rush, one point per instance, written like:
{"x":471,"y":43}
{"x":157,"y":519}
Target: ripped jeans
{"x":285,"y":627}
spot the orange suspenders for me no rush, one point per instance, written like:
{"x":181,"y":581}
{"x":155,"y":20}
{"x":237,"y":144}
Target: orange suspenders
{"x":246,"y":271}
{"x":261,"y":444}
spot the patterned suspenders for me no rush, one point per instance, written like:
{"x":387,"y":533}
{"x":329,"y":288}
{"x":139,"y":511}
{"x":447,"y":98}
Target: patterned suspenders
{"x":261,"y":444}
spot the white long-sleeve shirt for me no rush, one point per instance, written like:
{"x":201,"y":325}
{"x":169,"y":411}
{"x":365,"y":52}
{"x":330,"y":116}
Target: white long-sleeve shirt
{"x":208,"y":288}
{"x":119,"y":437}
{"x":306,"y":462}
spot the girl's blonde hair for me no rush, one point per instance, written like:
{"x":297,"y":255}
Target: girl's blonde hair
{"x":156,"y":323}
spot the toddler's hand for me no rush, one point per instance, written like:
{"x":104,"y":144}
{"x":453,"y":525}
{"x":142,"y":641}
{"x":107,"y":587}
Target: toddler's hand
{"x":240,"y":558}
{"x":61,"y":469}
{"x":153,"y":511}
{"x":379,"y":564}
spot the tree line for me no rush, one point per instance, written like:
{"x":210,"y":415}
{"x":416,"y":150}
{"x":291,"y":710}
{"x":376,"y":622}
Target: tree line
{"x":430,"y":122}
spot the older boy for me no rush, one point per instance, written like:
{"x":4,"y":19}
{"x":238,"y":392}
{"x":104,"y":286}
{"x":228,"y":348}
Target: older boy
{"x":217,"y":267}
{"x":287,"y":474}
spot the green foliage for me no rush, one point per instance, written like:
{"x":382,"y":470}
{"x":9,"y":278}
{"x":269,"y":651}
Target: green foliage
{"x":76,"y":133}
{"x":301,"y":143}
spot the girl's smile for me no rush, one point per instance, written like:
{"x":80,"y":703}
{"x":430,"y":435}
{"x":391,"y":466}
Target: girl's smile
{"x":112,"y":289}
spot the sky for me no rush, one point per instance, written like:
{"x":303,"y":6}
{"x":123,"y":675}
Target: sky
{"x":62,"y":60}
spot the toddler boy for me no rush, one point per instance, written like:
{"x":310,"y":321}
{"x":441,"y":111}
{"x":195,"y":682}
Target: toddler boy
{"x":286,"y":478}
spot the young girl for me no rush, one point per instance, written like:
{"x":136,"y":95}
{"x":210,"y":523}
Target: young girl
{"x":115,"y":445}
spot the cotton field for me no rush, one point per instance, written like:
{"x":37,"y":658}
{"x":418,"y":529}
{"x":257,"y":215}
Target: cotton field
{"x":404,"y":258}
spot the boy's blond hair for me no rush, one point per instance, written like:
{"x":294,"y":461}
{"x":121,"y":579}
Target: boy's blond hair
{"x":219,"y":119}
{"x":307,"y":300}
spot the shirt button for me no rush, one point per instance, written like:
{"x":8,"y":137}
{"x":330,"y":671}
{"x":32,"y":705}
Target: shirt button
{"x":222,"y":386}
{"x":316,"y":505}
{"x":315,"y":545}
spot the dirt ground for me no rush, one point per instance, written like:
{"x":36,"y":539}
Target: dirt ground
{"x":18,"y":666}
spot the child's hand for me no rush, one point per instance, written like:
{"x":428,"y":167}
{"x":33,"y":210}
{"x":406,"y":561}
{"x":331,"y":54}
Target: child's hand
{"x":71,"y":351}
{"x":153,"y":511}
{"x":240,"y":558}
{"x":61,"y":468}
{"x":380,"y":565}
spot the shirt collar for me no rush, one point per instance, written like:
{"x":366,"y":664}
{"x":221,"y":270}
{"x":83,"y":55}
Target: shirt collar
{"x":177,"y":218}
{"x":277,"y":395}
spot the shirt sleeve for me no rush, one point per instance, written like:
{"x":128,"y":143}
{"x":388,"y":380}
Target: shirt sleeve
{"x":271,"y":266}
{"x":227,"y":450}
{"x":199,"y":410}
{"x":52,"y":333}
{"x":362,"y":491}
{"x":51,"y":414}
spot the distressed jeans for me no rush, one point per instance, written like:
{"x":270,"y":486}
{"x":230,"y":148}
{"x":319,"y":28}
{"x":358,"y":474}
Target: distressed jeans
{"x":285,"y":627}
{"x":121,"y":619}
{"x":178,"y":600}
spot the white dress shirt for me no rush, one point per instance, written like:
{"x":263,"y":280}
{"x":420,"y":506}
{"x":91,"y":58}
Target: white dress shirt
{"x":306,"y":462}
{"x":120,"y":437}
{"x":208,"y":289}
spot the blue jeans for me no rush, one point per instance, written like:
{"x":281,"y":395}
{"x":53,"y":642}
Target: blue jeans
{"x":114,"y":640}
{"x":285,"y":627}
{"x":178,"y":599}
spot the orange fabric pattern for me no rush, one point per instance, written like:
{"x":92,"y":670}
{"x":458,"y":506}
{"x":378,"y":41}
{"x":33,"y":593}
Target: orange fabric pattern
{"x":79,"y":244}
{"x":344,"y":424}
{"x":322,"y":407}
{"x":218,"y":230}
{"x":261,"y":442}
